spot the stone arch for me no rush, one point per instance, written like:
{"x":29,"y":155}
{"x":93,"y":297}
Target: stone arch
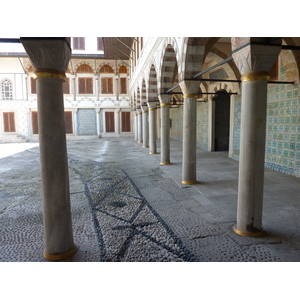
{"x":143,"y":93}
{"x":221,"y":87}
{"x":152,"y":83}
{"x":230,"y":68}
{"x":194,"y":52}
{"x":138,"y":98}
{"x":291,"y":60}
{"x":169,"y":67}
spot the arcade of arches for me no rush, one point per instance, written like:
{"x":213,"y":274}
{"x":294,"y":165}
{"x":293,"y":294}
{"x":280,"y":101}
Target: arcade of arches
{"x":236,"y":94}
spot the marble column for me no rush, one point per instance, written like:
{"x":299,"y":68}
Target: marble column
{"x":117,"y":117}
{"x":152,"y":127}
{"x":135,"y":125}
{"x":73,"y":76}
{"x":145,"y":126}
{"x":254,"y":62}
{"x":165,"y":101}
{"x":189,"y":159}
{"x":75,"y":114}
{"x":98,"y":121}
{"x":96,"y":76}
{"x":50,"y":59}
{"x":140,"y":126}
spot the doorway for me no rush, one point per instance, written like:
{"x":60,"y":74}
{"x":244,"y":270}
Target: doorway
{"x":222,"y":121}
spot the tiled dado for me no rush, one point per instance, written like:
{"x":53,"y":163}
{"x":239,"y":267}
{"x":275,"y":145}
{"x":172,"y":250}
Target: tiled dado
{"x":283,"y":128}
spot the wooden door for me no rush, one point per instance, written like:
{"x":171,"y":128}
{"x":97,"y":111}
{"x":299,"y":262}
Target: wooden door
{"x":68,"y":122}
{"x":110,"y":121}
{"x":125,"y":121}
{"x":9,"y":122}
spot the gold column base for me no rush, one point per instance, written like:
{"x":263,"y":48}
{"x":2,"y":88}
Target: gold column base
{"x":60,"y":256}
{"x":135,"y":139}
{"x":248,"y":234}
{"x":163,"y":164}
{"x":187,"y":182}
{"x":145,"y":147}
{"x":140,"y":142}
{"x":153,"y":153}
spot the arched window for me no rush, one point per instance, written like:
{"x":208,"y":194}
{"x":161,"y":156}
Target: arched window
{"x":122,"y":69}
{"x":106,"y":82}
{"x":106,"y":69}
{"x":84,"y":68}
{"x":85,"y":84}
{"x":6,"y":87}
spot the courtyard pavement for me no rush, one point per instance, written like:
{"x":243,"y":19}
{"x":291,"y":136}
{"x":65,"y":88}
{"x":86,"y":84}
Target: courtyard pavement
{"x":126,"y":207}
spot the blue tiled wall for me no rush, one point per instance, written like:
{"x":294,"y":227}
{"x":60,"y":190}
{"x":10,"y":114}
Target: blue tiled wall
{"x":87,"y":122}
{"x":283,"y":128}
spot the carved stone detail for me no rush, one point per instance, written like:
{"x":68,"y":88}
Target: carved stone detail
{"x":48,"y":54}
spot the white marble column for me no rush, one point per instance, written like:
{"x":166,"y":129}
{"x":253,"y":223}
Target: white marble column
{"x":117,"y":118}
{"x":165,"y":101}
{"x":254,"y":62}
{"x":135,"y":125}
{"x":98,"y":121}
{"x":145,"y":126}
{"x":73,"y":76}
{"x":140,"y":126}
{"x":50,"y":59}
{"x":152,"y":127}
{"x":189,"y":160}
{"x":75,"y":121}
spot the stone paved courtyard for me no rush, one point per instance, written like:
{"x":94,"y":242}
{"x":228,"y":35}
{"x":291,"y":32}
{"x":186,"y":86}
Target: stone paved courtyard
{"x":128,"y":208}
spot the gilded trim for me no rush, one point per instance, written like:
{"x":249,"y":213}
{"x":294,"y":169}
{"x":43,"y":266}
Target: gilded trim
{"x":39,"y":73}
{"x":255,"y":76}
{"x":140,"y":142}
{"x":165,"y":104}
{"x":190,"y":96}
{"x":145,"y":111}
{"x":153,"y":153}
{"x":152,"y":109}
{"x":163,"y":164}
{"x":145,"y":147}
{"x":248,"y":234}
{"x":60,"y":256}
{"x":187,"y":182}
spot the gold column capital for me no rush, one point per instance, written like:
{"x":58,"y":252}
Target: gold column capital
{"x":151,"y":108}
{"x":255,"y":76}
{"x":164,"y":104}
{"x":52,"y":73}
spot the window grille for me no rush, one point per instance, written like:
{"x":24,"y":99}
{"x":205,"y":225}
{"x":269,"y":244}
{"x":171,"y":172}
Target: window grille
{"x":6,"y":87}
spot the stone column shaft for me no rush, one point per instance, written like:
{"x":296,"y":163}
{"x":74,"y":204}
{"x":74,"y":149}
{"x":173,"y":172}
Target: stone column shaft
{"x":189,"y":161}
{"x":50,"y":59}
{"x":136,"y":126}
{"x":254,"y":62}
{"x":165,"y":129}
{"x":152,"y":127}
{"x":98,"y":121}
{"x":140,"y":126}
{"x":145,"y":126}
{"x":189,"y":140}
{"x":252,"y":156}
{"x":54,"y":170}
{"x":117,"y":116}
